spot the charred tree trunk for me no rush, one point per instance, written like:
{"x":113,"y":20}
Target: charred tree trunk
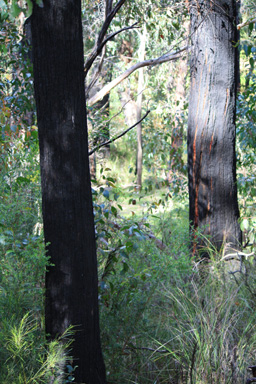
{"x":71,"y":282}
{"x":213,"y":206}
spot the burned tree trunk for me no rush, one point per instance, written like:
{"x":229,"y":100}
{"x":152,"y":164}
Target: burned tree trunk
{"x":71,"y":281}
{"x":213,"y":206}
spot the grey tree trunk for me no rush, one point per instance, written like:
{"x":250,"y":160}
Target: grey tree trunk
{"x":139,"y":109}
{"x":213,"y":206}
{"x":71,"y":281}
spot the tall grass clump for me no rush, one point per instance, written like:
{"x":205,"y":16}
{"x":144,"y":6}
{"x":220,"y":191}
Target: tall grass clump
{"x":25,"y":355}
{"x":211,"y":327}
{"x":168,"y":318}
{"x":27,"y":359}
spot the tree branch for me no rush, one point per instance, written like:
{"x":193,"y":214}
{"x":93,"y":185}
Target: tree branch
{"x":97,"y":74}
{"x":100,"y":43}
{"x":109,"y":19}
{"x":108,"y":8}
{"x":247,"y":22}
{"x":147,"y":63}
{"x":97,"y":50}
{"x":117,"y":137}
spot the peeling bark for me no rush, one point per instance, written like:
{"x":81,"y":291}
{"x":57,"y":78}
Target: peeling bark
{"x":213,"y":206}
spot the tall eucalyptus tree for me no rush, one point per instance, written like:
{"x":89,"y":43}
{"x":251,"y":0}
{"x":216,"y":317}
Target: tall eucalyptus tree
{"x":213,"y":206}
{"x":71,"y":281}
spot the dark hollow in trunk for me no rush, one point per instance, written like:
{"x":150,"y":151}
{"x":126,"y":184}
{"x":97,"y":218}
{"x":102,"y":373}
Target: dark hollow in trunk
{"x":213,"y":207}
{"x":71,"y":282}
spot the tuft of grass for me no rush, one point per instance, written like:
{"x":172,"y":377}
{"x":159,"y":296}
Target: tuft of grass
{"x":27,"y":359}
{"x":209,"y":328}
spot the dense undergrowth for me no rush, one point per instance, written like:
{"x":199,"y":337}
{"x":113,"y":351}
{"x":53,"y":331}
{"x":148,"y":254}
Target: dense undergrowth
{"x":25,"y":357}
{"x":165,"y":318}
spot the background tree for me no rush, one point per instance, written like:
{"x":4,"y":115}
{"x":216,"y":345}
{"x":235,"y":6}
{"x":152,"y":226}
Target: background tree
{"x":71,"y":281}
{"x":125,"y":49}
{"x":139,"y":109}
{"x":213,"y":206}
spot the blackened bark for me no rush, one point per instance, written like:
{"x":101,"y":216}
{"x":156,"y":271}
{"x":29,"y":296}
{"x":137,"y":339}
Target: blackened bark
{"x":213,"y":206}
{"x":71,"y":283}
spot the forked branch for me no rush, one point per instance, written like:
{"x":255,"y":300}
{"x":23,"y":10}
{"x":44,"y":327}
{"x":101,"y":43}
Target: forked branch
{"x":100,"y":41}
{"x":98,"y":49}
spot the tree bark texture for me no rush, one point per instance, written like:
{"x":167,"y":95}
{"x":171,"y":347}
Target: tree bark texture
{"x":71,"y":282}
{"x":213,"y":206}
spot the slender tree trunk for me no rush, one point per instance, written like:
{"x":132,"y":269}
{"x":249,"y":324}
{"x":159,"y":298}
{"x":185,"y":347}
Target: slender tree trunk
{"x":102,"y":108}
{"x":139,"y":108}
{"x":100,"y":111}
{"x":176,"y":161}
{"x":71,"y":281}
{"x":213,"y":206}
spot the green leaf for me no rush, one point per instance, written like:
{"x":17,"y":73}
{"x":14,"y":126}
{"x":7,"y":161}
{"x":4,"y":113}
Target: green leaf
{"x":15,"y":9}
{"x":114,"y":210}
{"x":125,"y":267}
{"x":111,"y":179}
{"x":22,"y":180}
{"x":251,"y":61}
{"x":2,"y":240}
{"x":40,"y":3}
{"x":3,"y":7}
{"x":143,"y":277}
{"x":129,"y":246}
{"x":247,"y":49}
{"x":30,"y":8}
{"x":106,"y":193}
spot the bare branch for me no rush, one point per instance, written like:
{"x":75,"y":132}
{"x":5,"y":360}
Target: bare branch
{"x":237,"y":256}
{"x":117,"y":137}
{"x":108,"y":8}
{"x":99,"y":48}
{"x":109,"y":37}
{"x":97,"y":74}
{"x":247,"y":22}
{"x":147,"y":63}
{"x":100,"y":43}
{"x":109,"y":19}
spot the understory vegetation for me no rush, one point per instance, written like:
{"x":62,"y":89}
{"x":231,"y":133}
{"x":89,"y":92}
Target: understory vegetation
{"x":165,"y":317}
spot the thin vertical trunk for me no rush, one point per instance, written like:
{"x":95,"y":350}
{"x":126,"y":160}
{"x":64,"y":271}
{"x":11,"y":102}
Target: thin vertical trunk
{"x":176,"y":161}
{"x":139,"y":108}
{"x":213,"y":206}
{"x":71,"y":281}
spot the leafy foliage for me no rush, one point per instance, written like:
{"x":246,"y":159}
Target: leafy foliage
{"x":163,"y":318}
{"x":246,"y":132}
